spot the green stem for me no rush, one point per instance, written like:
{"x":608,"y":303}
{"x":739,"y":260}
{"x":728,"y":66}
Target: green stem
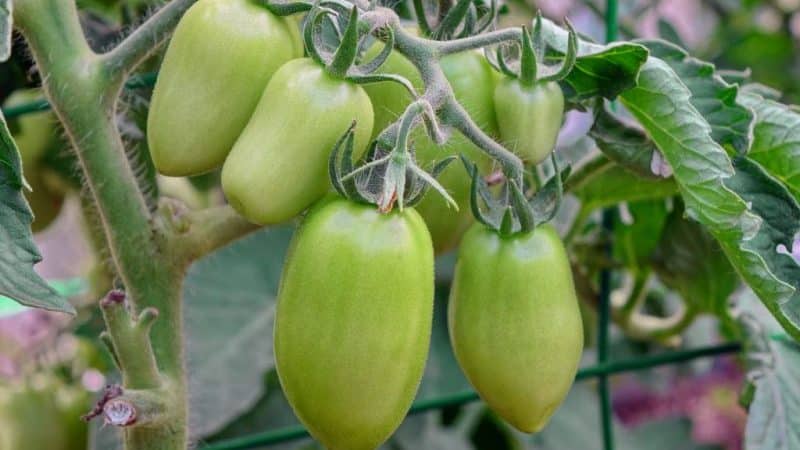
{"x":84,"y":94}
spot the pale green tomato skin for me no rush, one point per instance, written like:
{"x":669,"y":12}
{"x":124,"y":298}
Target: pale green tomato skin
{"x":353,"y":321}
{"x":515,"y":323}
{"x":221,"y":56}
{"x":279,"y":165}
{"x":529,"y":117}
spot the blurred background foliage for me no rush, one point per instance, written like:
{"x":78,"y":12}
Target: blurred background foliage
{"x":686,"y":406}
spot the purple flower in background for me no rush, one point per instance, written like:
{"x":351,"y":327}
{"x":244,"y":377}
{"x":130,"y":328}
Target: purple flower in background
{"x":709,"y":400}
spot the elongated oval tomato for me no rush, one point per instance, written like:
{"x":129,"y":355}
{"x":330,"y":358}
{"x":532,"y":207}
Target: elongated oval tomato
{"x":472,"y":81}
{"x":529,"y":117}
{"x":514,"y":322}
{"x":279,"y":165}
{"x":353,"y":321}
{"x":220,"y":58}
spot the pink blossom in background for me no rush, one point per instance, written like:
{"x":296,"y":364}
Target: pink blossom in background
{"x":709,"y":400}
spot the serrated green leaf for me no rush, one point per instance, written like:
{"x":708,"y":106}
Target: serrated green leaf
{"x":230,"y":299}
{"x":776,"y":139}
{"x":600,"y":70}
{"x":622,"y":143}
{"x":662,"y":104}
{"x":18,"y":252}
{"x":731,"y":123}
{"x":6,"y":29}
{"x":617,"y":185}
{"x":689,"y":261}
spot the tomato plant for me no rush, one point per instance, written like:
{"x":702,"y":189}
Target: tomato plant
{"x":391,"y":134}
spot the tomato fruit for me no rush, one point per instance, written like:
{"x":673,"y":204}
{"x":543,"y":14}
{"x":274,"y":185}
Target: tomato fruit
{"x":514,"y":322}
{"x":529,"y":117}
{"x":220,"y":58}
{"x":353,"y":321}
{"x":279,"y":165}
{"x":472,"y":81}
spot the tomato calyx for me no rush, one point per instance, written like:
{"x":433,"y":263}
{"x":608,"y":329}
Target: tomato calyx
{"x":513,"y":211}
{"x":388,"y":175}
{"x":529,"y":68}
{"x":463,"y":19}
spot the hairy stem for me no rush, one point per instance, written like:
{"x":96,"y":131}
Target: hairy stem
{"x":145,"y":39}
{"x":84,"y":94}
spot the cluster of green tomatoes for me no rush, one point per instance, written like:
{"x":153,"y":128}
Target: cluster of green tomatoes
{"x":356,"y":297}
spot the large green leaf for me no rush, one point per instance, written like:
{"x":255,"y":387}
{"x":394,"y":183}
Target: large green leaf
{"x":600,"y":70}
{"x":18,"y":252}
{"x":617,"y":185}
{"x":662,"y":104}
{"x":776,"y":139}
{"x":715,"y":99}
{"x":635,"y":242}
{"x":229,"y":302}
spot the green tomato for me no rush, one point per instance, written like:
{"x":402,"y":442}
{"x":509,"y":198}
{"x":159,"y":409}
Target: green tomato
{"x":279,"y":165}
{"x":472,"y":80}
{"x":514,"y":321}
{"x":529,"y":117}
{"x":220,"y":58}
{"x":353,"y":321}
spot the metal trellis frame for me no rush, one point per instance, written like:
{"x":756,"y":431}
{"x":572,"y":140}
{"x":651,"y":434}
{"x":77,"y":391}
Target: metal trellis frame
{"x":601,"y":371}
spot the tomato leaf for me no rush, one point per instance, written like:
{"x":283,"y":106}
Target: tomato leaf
{"x":617,"y":185}
{"x":776,"y":139}
{"x":623,"y":143}
{"x":6,"y":28}
{"x":662,"y":105}
{"x":600,"y":70}
{"x":18,"y":252}
{"x":635,"y":243}
{"x":230,"y":306}
{"x":715,"y":99}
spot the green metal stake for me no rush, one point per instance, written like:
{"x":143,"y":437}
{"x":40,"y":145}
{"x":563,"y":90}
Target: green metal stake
{"x":604,"y":393}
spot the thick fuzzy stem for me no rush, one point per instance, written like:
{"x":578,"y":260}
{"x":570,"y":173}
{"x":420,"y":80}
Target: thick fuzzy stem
{"x":83,"y":94}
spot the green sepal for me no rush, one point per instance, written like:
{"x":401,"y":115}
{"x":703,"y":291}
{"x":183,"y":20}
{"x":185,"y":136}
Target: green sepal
{"x":451,"y":21}
{"x":527,"y":61}
{"x":347,"y":51}
{"x":422,"y":18}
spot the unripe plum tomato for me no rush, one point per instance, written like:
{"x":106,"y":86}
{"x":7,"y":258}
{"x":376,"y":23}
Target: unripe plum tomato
{"x":353,"y":321}
{"x":529,"y":117}
{"x":473,"y":83}
{"x":279,"y":165}
{"x":514,"y":321}
{"x":221,"y":56}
